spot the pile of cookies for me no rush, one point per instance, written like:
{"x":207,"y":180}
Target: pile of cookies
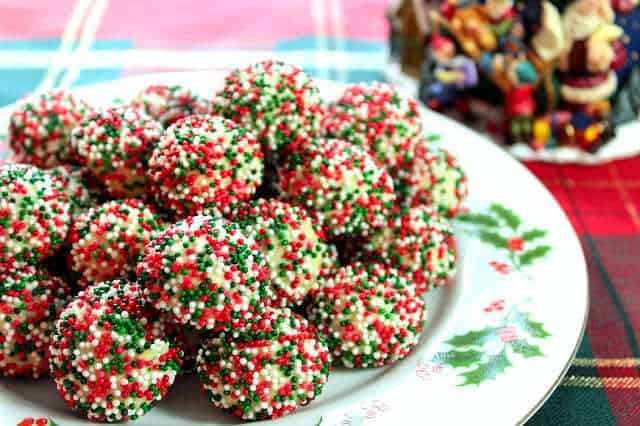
{"x":259,"y":237}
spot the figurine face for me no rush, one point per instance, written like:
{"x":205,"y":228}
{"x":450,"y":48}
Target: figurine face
{"x":585,"y":6}
{"x":496,"y":9}
{"x":583,"y":17}
{"x":444,"y":53}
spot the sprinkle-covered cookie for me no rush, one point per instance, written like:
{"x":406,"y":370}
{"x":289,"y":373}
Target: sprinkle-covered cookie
{"x":376,"y":117}
{"x":278,"y":101}
{"x":107,"y":240}
{"x":109,"y":359}
{"x":30,"y":301}
{"x":72,"y":182}
{"x":205,"y":162}
{"x":40,"y":127}
{"x":168,"y":104}
{"x":206,"y":273}
{"x":432,"y":176}
{"x":115,"y":144}
{"x":266,"y":369}
{"x":34,"y":215}
{"x":370,"y":315}
{"x":290,"y":244}
{"x":341,"y":184}
{"x":420,"y":243}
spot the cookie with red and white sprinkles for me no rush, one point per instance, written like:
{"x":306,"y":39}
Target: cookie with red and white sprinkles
{"x":370,"y":315}
{"x":432,"y":176}
{"x":168,"y":104}
{"x":109,"y":359}
{"x":267,"y":369}
{"x":115,"y":144}
{"x":376,"y":117}
{"x":72,"y":181}
{"x":203,"y":162}
{"x":30,"y":301}
{"x":40,"y":127}
{"x":34,"y":215}
{"x":289,"y":242}
{"x":278,"y":101}
{"x":206,"y":273}
{"x":123,"y":295}
{"x":107,"y":240}
{"x":341,"y":184}
{"x":420,"y":243}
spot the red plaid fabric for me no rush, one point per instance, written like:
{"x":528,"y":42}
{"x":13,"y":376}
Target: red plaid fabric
{"x":603,"y":204}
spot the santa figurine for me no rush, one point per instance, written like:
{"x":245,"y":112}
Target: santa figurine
{"x":593,"y":52}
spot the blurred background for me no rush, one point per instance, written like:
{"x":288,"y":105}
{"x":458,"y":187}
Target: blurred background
{"x":70,"y":42}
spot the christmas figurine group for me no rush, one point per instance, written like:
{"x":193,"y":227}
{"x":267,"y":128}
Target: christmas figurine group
{"x":260,"y":238}
{"x":565,"y":73}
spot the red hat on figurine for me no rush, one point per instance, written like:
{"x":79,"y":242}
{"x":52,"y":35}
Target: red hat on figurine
{"x":439,"y":41}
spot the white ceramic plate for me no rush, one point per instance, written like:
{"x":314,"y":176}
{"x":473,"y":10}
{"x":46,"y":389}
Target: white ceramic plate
{"x":624,"y":145}
{"x":499,"y":338}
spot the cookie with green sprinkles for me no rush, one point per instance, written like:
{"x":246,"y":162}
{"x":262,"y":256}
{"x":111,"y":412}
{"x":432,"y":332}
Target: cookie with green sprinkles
{"x":72,"y":180}
{"x":376,"y":117}
{"x":203,"y":162}
{"x":115,"y":144}
{"x":30,"y":301}
{"x":432,"y":176}
{"x":267,"y":369}
{"x":420,"y":243}
{"x":370,"y":315}
{"x":206,"y":273}
{"x":168,"y":104}
{"x":107,"y":240}
{"x":109,"y":359}
{"x":40,"y":127}
{"x":34,"y":215}
{"x":339,"y":183}
{"x":290,"y":243}
{"x":277,"y":101}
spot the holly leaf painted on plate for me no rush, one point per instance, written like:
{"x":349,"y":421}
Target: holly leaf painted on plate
{"x":535,"y":328}
{"x":457,"y":359}
{"x":497,"y":364}
{"x":529,"y":256}
{"x":479,"y":219}
{"x":533,"y":234}
{"x":512,"y":220}
{"x":493,"y":238}
{"x":526,"y":349}
{"x":319,"y":422}
{"x":52,"y":423}
{"x":471,"y":338}
{"x":489,"y":370}
{"x":475,"y":376}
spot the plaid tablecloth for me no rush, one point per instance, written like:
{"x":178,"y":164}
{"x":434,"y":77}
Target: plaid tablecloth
{"x":66,"y":43}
